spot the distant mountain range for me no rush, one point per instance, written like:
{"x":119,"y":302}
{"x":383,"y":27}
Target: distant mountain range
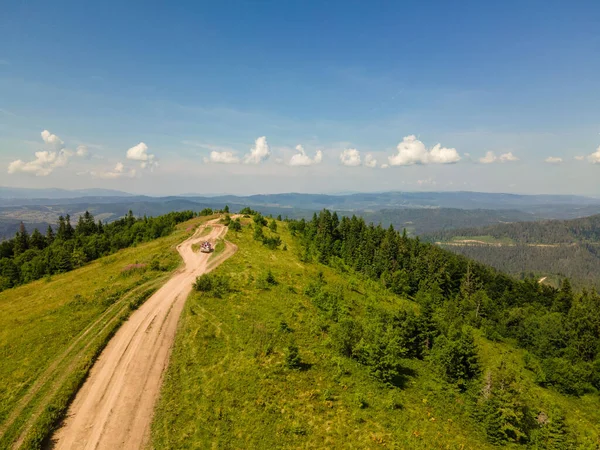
{"x":418,"y":212}
{"x":546,"y":206}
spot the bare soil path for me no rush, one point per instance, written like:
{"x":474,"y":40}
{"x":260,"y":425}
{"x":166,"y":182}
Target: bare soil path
{"x":114,"y":408}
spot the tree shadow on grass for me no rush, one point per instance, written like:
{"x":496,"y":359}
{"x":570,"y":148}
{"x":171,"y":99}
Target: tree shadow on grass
{"x":404,"y":374}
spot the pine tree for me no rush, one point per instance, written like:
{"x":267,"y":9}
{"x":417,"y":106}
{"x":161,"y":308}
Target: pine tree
{"x":37,"y":241}
{"x":21,"y":243}
{"x":69,"y":231}
{"x":49,"y":235}
{"x":292,"y":356}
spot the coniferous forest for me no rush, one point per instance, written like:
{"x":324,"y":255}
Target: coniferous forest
{"x":560,"y":328}
{"x":29,"y":257}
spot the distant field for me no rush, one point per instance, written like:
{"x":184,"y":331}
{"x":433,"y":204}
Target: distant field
{"x":488,"y":240}
{"x":52,"y":329}
{"x":227,"y":385}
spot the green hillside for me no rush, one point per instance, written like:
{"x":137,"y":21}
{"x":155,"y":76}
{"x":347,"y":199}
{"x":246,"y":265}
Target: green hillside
{"x":52,"y":329}
{"x":278,"y":350}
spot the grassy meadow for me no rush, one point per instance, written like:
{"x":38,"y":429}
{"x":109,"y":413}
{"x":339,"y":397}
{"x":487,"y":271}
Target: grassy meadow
{"x":228,"y":384}
{"x":51,"y":331}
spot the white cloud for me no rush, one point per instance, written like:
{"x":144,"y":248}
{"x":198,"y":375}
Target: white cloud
{"x":260,"y":152}
{"x":82,"y":151}
{"x":490,"y":157}
{"x":302,"y":159}
{"x":413,"y":151}
{"x":350,"y":157}
{"x":385,"y":166}
{"x":222,"y":158}
{"x":43,"y":164}
{"x":507,"y":157}
{"x":140,"y":153}
{"x":594,"y":158}
{"x":370,"y":161}
{"x":427,"y":182}
{"x":553,"y":160}
{"x":52,"y":139}
{"x":580,"y":157}
{"x":118,"y":172}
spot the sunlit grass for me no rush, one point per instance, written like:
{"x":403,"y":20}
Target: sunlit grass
{"x":44,"y":352}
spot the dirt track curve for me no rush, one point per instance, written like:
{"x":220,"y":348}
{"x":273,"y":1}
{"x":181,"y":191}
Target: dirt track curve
{"x":114,"y":408}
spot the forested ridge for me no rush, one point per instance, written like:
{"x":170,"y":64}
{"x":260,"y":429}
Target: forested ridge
{"x":556,"y":248}
{"x":559,"y":328}
{"x":583,"y":230}
{"x":28,"y":257}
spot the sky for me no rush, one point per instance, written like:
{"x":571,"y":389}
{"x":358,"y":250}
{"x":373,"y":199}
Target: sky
{"x":167,"y":98}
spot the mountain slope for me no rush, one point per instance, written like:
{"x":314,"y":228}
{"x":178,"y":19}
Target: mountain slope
{"x":291,"y":353}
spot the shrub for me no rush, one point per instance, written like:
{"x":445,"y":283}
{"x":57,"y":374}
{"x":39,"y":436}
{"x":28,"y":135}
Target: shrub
{"x":457,"y":357}
{"x":292,"y":356}
{"x":271,"y":242}
{"x":235,"y":225}
{"x":215,"y":284}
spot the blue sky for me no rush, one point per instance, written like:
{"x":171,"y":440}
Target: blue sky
{"x":167,"y":98}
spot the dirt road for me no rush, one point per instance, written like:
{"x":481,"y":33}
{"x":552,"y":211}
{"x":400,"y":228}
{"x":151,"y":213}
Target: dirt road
{"x":114,"y":408}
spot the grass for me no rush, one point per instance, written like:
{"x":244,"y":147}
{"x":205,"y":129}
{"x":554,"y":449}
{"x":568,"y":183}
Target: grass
{"x":52,"y":330}
{"x":228,"y":385}
{"x":219,"y":247}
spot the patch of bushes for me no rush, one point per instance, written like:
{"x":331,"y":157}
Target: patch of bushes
{"x":215,"y":284}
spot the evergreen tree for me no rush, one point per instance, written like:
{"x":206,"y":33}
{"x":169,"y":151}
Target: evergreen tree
{"x":292,"y":356}
{"x":49,"y":235}
{"x":21,"y":241}
{"x":69,"y":231}
{"x":37,"y":241}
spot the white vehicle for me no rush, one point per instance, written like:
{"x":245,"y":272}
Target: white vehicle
{"x":205,"y":247}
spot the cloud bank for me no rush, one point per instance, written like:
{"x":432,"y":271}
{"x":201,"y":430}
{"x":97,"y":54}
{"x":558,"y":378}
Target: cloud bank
{"x":553,"y":160}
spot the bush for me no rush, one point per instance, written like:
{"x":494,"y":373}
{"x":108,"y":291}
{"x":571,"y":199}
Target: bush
{"x":292,"y":357}
{"x":215,"y":284}
{"x":271,"y":242}
{"x":565,"y":376}
{"x":235,"y":225}
{"x":270,"y":278}
{"x":457,"y":357}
